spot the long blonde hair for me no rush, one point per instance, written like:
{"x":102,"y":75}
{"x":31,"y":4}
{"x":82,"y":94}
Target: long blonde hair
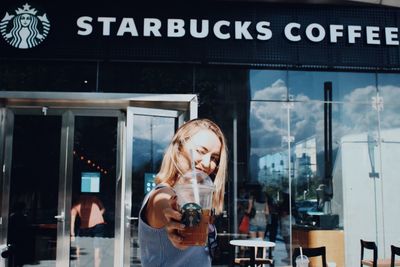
{"x":169,"y":170}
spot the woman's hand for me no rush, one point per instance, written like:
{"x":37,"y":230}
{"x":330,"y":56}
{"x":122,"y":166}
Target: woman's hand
{"x":162,"y":211}
{"x":173,"y":218}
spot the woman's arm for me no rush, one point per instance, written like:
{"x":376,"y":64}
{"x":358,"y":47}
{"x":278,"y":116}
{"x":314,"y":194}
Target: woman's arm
{"x":266,"y":208}
{"x":101,"y":207}
{"x":74,"y":212}
{"x":250,"y":205}
{"x":162,"y":211}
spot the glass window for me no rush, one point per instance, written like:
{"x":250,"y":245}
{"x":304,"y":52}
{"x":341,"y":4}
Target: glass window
{"x":346,"y":86}
{"x":269,"y":176}
{"x":224,"y":97}
{"x":268,"y":84}
{"x":356,"y":161}
{"x":307,"y":180}
{"x":389,"y":91}
{"x":389,"y":153}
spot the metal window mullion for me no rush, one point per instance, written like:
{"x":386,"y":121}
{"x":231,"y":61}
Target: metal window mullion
{"x":7,"y":131}
{"x":65,"y":189}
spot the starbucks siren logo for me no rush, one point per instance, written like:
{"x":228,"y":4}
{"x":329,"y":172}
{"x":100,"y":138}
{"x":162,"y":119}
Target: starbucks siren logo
{"x":24,"y":29}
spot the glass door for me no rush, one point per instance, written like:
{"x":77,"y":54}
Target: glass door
{"x":31,"y":179}
{"x":149,"y":132}
{"x":96,"y":182}
{"x":61,"y":186}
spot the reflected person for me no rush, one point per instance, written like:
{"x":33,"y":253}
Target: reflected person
{"x":90,"y":211}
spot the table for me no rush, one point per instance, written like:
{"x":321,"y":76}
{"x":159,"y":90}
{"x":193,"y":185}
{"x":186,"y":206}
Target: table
{"x":253,"y":244}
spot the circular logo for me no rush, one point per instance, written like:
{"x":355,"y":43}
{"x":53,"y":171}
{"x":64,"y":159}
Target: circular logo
{"x":24,"y":28}
{"x":191,"y":214}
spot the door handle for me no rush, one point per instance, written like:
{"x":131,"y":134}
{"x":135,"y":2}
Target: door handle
{"x":5,"y":251}
{"x":60,"y":217}
{"x":132,"y":218}
{"x":3,"y":248}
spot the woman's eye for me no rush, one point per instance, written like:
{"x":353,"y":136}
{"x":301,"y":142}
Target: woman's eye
{"x":215,"y":159}
{"x":201,"y":151}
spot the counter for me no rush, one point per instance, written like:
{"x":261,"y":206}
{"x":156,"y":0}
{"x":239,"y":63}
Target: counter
{"x":311,"y":236}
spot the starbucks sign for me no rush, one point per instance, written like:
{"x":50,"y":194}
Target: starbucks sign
{"x":24,"y":27}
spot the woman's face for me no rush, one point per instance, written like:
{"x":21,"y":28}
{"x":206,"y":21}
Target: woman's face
{"x":206,"y":148}
{"x":25,"y":20}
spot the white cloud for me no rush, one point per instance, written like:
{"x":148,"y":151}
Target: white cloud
{"x":160,"y":130}
{"x":354,"y":115}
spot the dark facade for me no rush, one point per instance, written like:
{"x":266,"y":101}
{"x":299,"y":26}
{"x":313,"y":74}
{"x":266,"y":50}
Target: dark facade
{"x":290,"y":85}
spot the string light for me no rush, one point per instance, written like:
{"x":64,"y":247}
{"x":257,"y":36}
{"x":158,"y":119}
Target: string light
{"x":90,"y":162}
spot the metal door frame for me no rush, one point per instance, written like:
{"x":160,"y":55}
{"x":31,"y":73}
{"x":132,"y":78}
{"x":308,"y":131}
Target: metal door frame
{"x":68,"y":105}
{"x":179,"y":116}
{"x":7,"y":118}
{"x":66,"y":170}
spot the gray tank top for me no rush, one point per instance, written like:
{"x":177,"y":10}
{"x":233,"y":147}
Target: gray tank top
{"x":259,"y":218}
{"x":157,"y":250}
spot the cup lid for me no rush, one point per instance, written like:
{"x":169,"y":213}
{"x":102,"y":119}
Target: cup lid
{"x":200,"y":177}
{"x":302,"y":258}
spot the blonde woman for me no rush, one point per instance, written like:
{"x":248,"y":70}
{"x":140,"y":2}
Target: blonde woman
{"x":159,"y":222}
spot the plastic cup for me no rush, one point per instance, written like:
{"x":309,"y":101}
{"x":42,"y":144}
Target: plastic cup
{"x":195,"y":203}
{"x":302,"y":261}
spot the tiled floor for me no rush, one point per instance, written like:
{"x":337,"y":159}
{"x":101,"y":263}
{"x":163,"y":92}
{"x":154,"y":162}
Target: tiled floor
{"x":279,"y":254}
{"x":96,"y":252}
{"x":83,"y":254}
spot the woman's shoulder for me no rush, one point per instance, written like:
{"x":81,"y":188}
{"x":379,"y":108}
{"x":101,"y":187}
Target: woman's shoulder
{"x":161,"y":191}
{"x":163,"y":187}
{"x":260,"y":201}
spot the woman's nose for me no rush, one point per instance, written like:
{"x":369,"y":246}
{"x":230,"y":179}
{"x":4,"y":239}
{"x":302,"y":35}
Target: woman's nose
{"x":205,"y":161}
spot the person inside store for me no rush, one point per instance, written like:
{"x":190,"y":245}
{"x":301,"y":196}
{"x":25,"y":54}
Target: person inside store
{"x":287,"y":220}
{"x":242,"y":201}
{"x":90,"y":211}
{"x":273,"y":218}
{"x":198,"y":143}
{"x":259,"y":211}
{"x":242,"y":204}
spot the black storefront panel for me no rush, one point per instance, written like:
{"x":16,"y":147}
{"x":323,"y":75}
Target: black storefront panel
{"x":232,"y":33}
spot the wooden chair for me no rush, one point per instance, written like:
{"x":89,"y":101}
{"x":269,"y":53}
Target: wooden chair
{"x":395,"y":251}
{"x":310,"y":252}
{"x":259,"y":261}
{"x":374,"y":262}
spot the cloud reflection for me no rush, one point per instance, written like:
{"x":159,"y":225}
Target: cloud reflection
{"x":268,"y":120}
{"x":151,"y":136}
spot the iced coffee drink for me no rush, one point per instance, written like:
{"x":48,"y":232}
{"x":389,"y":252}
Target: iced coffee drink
{"x":195,"y":191}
